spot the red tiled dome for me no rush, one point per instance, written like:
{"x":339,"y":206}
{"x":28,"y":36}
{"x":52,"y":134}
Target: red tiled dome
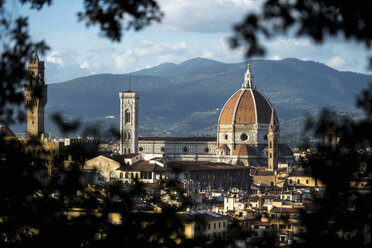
{"x":247,"y":106}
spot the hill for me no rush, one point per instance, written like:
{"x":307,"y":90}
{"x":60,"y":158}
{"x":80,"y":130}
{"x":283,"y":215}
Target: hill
{"x":186,"y":98}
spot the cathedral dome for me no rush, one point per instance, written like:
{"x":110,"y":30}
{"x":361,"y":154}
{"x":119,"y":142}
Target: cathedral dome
{"x":246,"y":117}
{"x":246,"y":106}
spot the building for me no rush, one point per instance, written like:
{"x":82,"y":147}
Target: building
{"x":132,"y":167}
{"x":247,"y":133}
{"x":204,"y":224}
{"x":303,"y":179}
{"x":35,"y":95}
{"x":40,"y":144}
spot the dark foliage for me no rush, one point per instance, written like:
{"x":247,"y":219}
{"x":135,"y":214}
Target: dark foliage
{"x":343,"y":215}
{"x":111,"y":14}
{"x":317,"y":20}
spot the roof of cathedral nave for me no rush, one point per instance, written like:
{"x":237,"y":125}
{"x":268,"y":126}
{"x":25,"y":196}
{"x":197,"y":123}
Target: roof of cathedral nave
{"x":204,"y":165}
{"x":247,"y":106}
{"x":149,"y":138}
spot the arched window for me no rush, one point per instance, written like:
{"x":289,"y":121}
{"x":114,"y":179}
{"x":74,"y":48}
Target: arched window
{"x":125,"y":136}
{"x":126,"y":174}
{"x":129,"y":136}
{"x":125,"y":150}
{"x":121,"y":175}
{"x":101,"y":176}
{"x":128,"y":150}
{"x":112,"y":175}
{"x":271,"y":155}
{"x":127,"y":116}
{"x":271,"y":144}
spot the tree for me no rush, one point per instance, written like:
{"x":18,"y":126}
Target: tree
{"x":17,"y":47}
{"x":317,"y":20}
{"x":31,"y":215}
{"x":343,"y":216}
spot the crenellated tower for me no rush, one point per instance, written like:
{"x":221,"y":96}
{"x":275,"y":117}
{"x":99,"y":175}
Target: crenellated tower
{"x":128,"y":122}
{"x":35,"y":95}
{"x":273,"y":140}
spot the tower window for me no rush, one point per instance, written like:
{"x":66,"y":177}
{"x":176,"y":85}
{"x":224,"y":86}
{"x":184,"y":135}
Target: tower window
{"x":226,"y":136}
{"x":243,"y":136}
{"x":129,"y":136}
{"x":140,"y":149}
{"x":127,"y":116}
{"x":271,"y":155}
{"x":271,"y":144}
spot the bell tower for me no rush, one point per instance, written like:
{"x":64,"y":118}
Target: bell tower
{"x":128,"y":122}
{"x":272,"y":146}
{"x":35,"y":95}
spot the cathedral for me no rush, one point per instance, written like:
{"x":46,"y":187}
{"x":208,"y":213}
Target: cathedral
{"x":247,"y":133}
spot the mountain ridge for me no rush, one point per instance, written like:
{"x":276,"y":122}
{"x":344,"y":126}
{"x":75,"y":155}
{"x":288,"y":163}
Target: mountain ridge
{"x":185,"y":98}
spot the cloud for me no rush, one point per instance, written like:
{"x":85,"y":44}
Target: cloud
{"x":275,"y":57}
{"x":54,"y":57}
{"x":206,"y":16}
{"x":340,"y":63}
{"x":84,"y":65}
{"x":124,"y":62}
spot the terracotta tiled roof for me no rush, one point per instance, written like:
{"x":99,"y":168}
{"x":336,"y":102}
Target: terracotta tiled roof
{"x":244,"y":151}
{"x":263,"y":108}
{"x":260,"y":223}
{"x":246,"y":111}
{"x":227,"y":113}
{"x":186,"y":139}
{"x":224,"y":147}
{"x":247,"y":106}
{"x":201,"y":165}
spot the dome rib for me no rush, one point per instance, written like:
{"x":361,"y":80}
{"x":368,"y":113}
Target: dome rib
{"x":263,"y":108}
{"x":227,"y":113}
{"x":245,"y":109}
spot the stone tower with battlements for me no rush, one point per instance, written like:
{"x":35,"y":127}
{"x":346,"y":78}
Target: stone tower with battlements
{"x":272,"y":146}
{"x":35,"y":95}
{"x":128,"y":122}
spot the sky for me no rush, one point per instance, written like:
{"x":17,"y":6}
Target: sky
{"x":189,"y":29}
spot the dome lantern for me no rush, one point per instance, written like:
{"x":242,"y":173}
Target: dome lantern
{"x":248,"y":79}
